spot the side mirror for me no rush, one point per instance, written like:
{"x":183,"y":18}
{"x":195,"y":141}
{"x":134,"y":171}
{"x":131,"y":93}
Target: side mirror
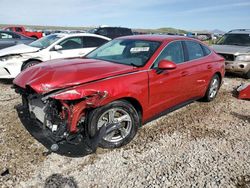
{"x":166,"y":65}
{"x":57,"y":47}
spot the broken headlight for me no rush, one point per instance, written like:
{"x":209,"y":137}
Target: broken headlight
{"x":243,"y":58}
{"x":9,"y":57}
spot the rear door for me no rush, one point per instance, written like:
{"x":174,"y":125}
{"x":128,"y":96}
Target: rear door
{"x":194,"y":68}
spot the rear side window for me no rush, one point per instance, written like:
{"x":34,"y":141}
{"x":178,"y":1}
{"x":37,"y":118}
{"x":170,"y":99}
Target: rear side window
{"x":194,"y":50}
{"x":5,"y":36}
{"x":173,"y":52}
{"x":89,"y":42}
{"x":206,"y":50}
{"x":19,"y":29}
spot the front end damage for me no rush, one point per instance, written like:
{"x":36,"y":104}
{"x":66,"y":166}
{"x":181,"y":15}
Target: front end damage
{"x":57,"y":119}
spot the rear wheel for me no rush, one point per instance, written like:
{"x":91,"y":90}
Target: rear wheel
{"x":29,"y":64}
{"x":119,"y":113}
{"x":213,"y":88}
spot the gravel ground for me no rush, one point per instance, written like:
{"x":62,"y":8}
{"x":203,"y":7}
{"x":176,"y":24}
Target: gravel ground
{"x":200,"y":145}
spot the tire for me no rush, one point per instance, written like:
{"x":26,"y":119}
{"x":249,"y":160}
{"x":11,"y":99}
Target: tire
{"x":29,"y":64}
{"x":212,"y":89}
{"x":115,"y":110}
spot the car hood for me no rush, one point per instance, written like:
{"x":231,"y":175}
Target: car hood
{"x":63,"y":73}
{"x":18,"y":49}
{"x":231,"y":49}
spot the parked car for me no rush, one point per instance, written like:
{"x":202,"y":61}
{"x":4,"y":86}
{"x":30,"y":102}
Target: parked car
{"x":234,"y":46}
{"x":243,"y":91}
{"x":15,"y":59}
{"x":22,"y":30}
{"x":112,"y":32}
{"x":8,"y":38}
{"x":117,"y":88}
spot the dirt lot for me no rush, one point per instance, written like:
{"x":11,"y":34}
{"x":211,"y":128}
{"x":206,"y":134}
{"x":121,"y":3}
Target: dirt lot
{"x":200,"y":145}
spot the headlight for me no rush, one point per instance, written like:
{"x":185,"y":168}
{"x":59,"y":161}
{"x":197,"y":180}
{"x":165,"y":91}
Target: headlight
{"x":243,"y":58}
{"x":9,"y":57}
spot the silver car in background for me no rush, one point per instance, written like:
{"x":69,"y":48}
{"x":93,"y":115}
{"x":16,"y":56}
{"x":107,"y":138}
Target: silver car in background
{"x":234,"y":46}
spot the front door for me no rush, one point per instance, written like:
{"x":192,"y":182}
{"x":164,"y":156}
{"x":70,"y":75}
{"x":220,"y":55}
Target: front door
{"x":71,"y":47}
{"x":169,"y":87}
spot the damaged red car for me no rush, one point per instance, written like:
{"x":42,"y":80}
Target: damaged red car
{"x":107,"y":95}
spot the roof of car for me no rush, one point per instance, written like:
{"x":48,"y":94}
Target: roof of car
{"x":154,"y":37}
{"x":80,"y":35}
{"x":240,"y":31}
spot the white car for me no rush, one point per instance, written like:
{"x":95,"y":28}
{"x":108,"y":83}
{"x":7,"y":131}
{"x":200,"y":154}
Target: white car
{"x":17,"y":58}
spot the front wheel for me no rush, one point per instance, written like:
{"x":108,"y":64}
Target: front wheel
{"x":213,"y":88}
{"x":119,"y":113}
{"x":29,"y":64}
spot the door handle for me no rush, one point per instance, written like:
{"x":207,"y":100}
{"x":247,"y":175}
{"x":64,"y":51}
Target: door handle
{"x":184,"y":73}
{"x":209,"y":67}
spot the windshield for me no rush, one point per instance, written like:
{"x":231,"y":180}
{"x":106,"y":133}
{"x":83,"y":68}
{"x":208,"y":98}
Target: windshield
{"x":126,"y":51}
{"x":235,"y":39}
{"x":45,"y":41}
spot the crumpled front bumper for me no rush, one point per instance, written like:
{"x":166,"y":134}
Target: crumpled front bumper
{"x":45,"y":136}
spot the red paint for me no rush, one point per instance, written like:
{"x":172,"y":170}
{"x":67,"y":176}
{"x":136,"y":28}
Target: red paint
{"x":79,"y":78}
{"x":75,"y":112}
{"x":21,"y":29}
{"x":166,"y":65}
{"x":64,"y":73}
{"x":244,"y":91}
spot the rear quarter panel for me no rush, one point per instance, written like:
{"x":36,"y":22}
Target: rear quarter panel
{"x":212,"y":64}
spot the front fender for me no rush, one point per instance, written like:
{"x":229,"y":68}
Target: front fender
{"x":133,"y":85}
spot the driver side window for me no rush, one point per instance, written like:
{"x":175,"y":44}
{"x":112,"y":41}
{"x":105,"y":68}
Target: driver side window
{"x":173,"y":52}
{"x":71,"y":43}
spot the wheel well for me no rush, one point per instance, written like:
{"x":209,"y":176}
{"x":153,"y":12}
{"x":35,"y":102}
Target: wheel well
{"x":34,"y":37}
{"x":219,"y":74}
{"x":136,"y":104}
{"x":29,"y":60}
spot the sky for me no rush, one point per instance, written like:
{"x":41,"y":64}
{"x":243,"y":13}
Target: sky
{"x":189,"y":15}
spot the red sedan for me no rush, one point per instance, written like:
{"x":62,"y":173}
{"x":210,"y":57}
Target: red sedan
{"x":110,"y":93}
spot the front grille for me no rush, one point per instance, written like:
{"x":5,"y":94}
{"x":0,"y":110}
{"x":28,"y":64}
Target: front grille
{"x":228,"y":57}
